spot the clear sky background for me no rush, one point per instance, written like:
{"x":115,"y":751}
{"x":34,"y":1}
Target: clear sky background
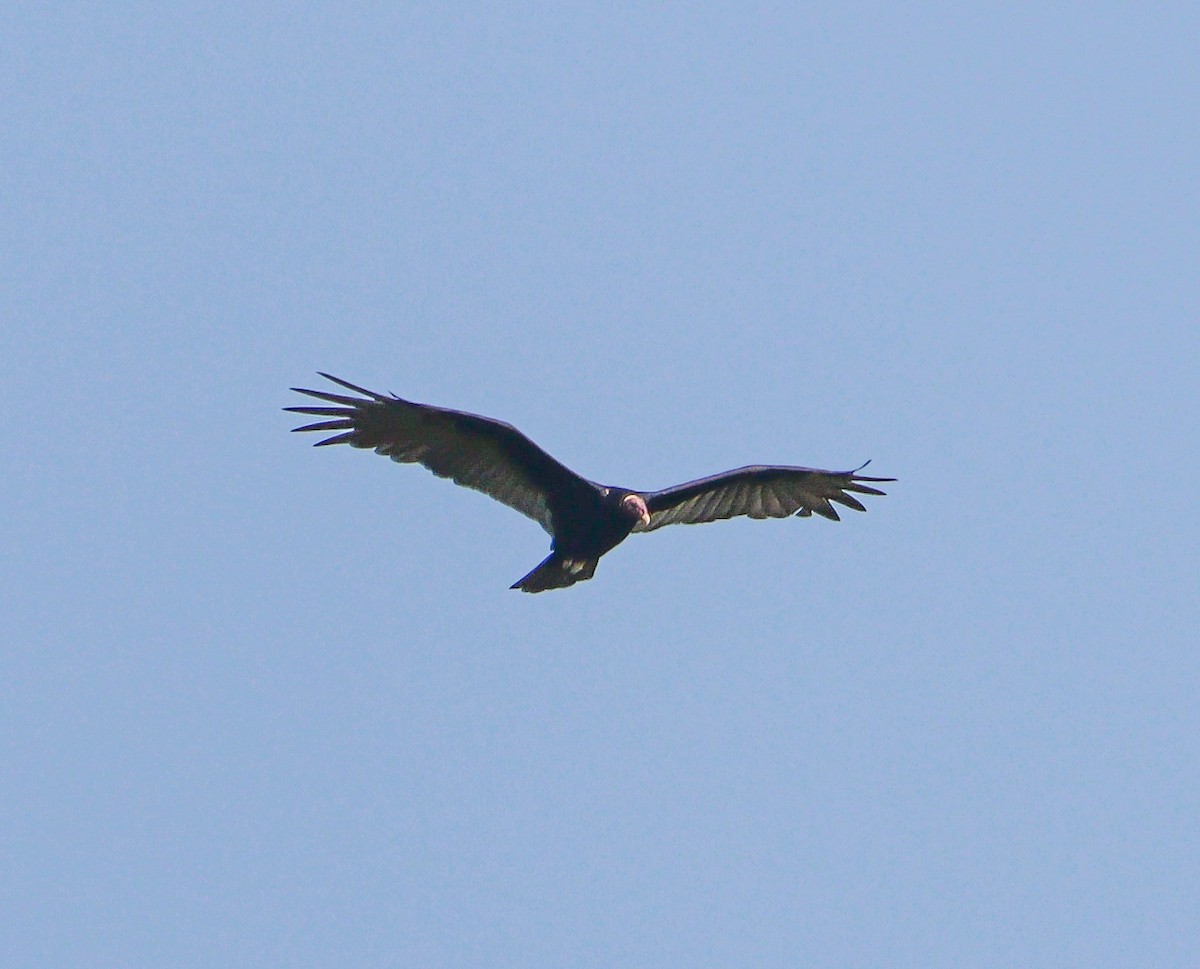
{"x":270,"y":706}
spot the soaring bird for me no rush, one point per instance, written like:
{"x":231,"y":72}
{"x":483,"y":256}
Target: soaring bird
{"x":584,"y":519}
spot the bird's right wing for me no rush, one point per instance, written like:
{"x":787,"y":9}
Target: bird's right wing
{"x":758,"y":492}
{"x":473,"y":451}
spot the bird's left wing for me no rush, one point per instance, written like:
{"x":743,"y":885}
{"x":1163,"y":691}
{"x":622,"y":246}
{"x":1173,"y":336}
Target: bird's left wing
{"x":473,"y":451}
{"x":761,"y":491}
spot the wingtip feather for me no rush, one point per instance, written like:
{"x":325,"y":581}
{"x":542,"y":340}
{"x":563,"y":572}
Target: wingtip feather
{"x":349,"y":386}
{"x":347,"y":438}
{"x":333,"y":398}
{"x":326,"y":426}
{"x":862,"y":489}
{"x":322,"y":411}
{"x":857,"y":477}
{"x":825,"y":510}
{"x":850,"y":502}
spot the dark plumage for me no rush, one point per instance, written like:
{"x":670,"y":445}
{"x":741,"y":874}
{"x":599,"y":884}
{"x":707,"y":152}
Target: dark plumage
{"x":584,"y":519}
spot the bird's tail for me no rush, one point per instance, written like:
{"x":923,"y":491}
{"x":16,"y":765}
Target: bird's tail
{"x":557,"y":572}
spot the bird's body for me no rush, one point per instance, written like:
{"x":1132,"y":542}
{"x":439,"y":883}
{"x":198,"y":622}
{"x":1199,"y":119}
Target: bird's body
{"x":585,"y":519}
{"x":585,"y":529}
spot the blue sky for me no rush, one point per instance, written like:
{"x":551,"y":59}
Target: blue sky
{"x":270,"y":706}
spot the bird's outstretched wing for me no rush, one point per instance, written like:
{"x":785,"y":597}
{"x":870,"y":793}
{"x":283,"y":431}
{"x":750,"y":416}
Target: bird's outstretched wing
{"x":759,"y":492}
{"x":473,"y":451}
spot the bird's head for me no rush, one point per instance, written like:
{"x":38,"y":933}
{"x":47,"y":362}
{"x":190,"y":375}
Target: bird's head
{"x":635,"y":507}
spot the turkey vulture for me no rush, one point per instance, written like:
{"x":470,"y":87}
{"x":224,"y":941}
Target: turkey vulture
{"x":584,"y":519}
